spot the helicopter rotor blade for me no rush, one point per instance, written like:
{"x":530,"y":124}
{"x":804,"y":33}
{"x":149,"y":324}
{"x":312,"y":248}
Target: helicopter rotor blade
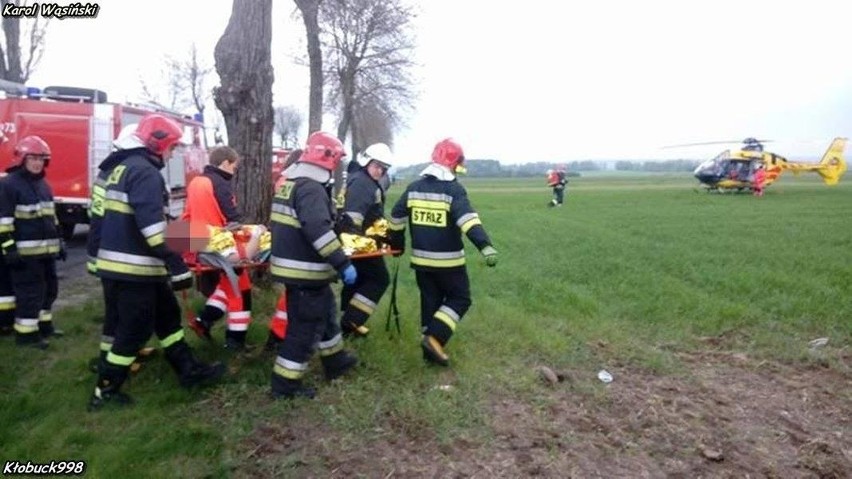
{"x":704,"y":143}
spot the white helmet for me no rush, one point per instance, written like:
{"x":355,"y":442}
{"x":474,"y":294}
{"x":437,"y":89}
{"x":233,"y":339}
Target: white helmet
{"x":379,"y":152}
{"x":127,"y":138}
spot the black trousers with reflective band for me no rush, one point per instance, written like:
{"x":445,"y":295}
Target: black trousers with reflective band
{"x":312,"y":317}
{"x":373,"y":281}
{"x":35,"y":286}
{"x":449,"y":288}
{"x":143,"y":309}
{"x":7,"y":296}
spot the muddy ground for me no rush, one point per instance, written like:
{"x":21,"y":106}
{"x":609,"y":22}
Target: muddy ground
{"x":728,"y":416}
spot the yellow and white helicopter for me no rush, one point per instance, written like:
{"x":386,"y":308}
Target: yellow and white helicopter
{"x":733,"y":170}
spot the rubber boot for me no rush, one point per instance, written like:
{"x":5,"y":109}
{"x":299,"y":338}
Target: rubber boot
{"x":47,"y":330}
{"x":31,"y":340}
{"x":352,"y":330}
{"x":107,"y":389}
{"x":192,"y":372}
{"x":142,"y":357}
{"x":283,"y":388}
{"x":7,"y":322}
{"x":338,"y":364}
{"x":433,"y":351}
{"x":236,"y":341}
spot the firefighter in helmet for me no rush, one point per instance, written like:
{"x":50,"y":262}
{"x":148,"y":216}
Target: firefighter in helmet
{"x":29,"y":239}
{"x":124,"y":143}
{"x":364,"y":204}
{"x":210,"y":201}
{"x":438,"y":212}
{"x":557,"y":180}
{"x":143,"y":271}
{"x":278,"y":322}
{"x":7,"y":294}
{"x":306,"y":257}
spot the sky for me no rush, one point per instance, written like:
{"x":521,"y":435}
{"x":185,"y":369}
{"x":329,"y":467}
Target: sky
{"x":538,"y":80}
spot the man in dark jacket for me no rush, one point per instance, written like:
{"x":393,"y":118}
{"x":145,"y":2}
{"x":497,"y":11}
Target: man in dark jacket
{"x":438,"y":211}
{"x":210,"y":202}
{"x":143,"y":271}
{"x":306,"y":257}
{"x":364,"y":204}
{"x":29,"y":239}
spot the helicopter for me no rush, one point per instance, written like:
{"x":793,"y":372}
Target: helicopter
{"x":733,"y":170}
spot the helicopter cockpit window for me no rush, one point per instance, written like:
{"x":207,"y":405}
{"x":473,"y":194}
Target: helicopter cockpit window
{"x":709,"y":167}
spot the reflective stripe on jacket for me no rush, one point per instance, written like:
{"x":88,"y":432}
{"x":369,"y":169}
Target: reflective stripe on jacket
{"x":305,"y":249}
{"x":438,"y":213}
{"x":132,"y":241}
{"x":27,"y":215}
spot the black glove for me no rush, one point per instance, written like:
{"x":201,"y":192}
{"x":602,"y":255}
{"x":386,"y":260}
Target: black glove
{"x":181,"y":277}
{"x":182,"y":281}
{"x":63,"y":251}
{"x":11,"y":256}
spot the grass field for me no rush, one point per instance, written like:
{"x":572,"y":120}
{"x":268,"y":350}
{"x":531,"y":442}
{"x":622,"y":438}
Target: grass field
{"x":629,"y":276}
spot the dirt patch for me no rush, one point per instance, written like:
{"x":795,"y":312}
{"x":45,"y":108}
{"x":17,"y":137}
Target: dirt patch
{"x":728,"y":416}
{"x":75,"y":288}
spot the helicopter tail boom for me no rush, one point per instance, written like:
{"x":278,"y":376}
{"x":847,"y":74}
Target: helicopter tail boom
{"x":832,"y":165}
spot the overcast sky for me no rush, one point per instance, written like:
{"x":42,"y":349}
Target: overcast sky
{"x":538,"y":80}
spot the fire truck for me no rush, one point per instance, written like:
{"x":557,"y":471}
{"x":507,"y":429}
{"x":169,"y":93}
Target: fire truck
{"x":80,"y":125}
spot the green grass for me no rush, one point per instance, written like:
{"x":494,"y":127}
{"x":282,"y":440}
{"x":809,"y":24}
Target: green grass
{"x":628,"y":271}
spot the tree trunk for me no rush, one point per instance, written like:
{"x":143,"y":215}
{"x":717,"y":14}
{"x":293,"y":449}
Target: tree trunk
{"x":244,"y":63}
{"x":12,"y":30}
{"x":310,"y":10}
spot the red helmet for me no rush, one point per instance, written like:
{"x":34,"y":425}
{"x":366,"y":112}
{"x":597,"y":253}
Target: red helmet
{"x":448,"y":153}
{"x":323,"y":150}
{"x":159,"y":133}
{"x":31,"y":145}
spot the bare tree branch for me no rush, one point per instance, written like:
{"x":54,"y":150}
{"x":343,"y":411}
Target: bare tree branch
{"x":288,"y":121}
{"x":19,"y":60}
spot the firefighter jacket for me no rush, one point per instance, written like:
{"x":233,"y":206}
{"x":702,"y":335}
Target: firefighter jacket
{"x":305,"y":249}
{"x":98,"y":202}
{"x":438,"y":212}
{"x":132,"y":232}
{"x":363,"y":205}
{"x":210,"y":199}
{"x":28,"y":222}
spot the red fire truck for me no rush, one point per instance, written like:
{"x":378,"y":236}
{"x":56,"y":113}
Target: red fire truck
{"x":80,"y":126}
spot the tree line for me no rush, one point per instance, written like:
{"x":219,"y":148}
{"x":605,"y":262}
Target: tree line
{"x":494,"y":169}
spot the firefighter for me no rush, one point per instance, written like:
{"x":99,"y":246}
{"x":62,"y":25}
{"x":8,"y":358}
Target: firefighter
{"x":363,"y":205}
{"x":438,"y":211}
{"x":210,"y":201}
{"x":556,"y":180}
{"x":125,"y":142}
{"x":29,"y":237}
{"x":7,"y":294}
{"x":141,"y":271}
{"x":306,"y":257}
{"x":279,"y":320}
